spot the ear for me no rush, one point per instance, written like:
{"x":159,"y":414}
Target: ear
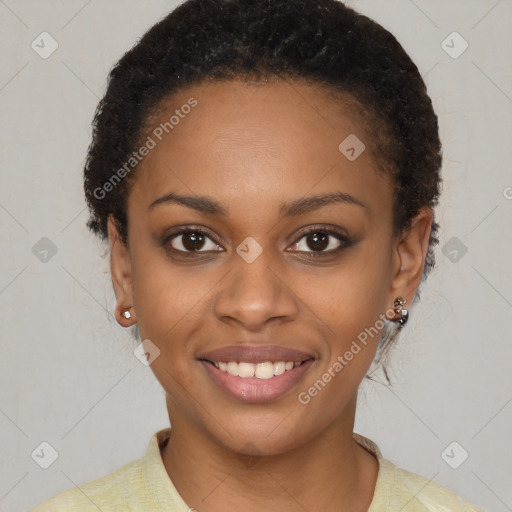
{"x":409,"y":257}
{"x":121,"y":271}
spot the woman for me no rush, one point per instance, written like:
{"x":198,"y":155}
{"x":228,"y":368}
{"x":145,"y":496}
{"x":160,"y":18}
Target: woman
{"x":265,"y":172}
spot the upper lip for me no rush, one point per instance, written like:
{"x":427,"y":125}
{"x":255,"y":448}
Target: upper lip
{"x":255,"y":354}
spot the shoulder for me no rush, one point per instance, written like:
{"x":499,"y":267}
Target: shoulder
{"x":141,"y":485}
{"x":415,"y":493}
{"x":397,"y":489}
{"x":105,"y":493}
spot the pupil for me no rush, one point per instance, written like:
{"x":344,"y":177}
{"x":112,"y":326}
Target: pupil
{"x":320,"y":241}
{"x":195,"y":238}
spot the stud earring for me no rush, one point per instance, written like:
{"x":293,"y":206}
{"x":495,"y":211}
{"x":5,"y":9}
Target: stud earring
{"x":127,"y":314}
{"x":403,"y":313}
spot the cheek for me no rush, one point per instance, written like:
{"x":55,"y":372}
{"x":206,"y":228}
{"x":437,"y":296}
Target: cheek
{"x":168,"y":298}
{"x":351,"y":309}
{"x":350,"y":306}
{"x":170,"y":312}
{"x":349,"y":295}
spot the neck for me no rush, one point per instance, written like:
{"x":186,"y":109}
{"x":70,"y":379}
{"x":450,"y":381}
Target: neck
{"x":330,"y":473}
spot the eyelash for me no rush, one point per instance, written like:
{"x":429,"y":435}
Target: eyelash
{"x":341,"y":237}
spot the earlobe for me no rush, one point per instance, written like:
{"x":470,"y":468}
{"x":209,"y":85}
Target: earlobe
{"x":410,"y":254}
{"x":120,"y":269}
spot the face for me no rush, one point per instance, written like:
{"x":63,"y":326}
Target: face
{"x":248,"y":262}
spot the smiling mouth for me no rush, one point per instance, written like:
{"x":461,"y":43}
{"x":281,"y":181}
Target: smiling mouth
{"x":262,"y":370}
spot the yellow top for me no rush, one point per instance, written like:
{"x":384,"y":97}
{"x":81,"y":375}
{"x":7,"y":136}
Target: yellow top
{"x":143,"y":485}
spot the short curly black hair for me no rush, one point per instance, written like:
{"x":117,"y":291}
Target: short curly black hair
{"x":322,"y":42}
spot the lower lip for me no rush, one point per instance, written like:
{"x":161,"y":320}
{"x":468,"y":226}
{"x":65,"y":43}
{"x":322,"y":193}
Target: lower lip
{"x":256,"y":390}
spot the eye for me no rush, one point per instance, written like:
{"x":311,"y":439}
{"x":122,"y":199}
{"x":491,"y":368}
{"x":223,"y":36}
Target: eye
{"x":191,"y":240}
{"x":321,"y":240}
{"x":317,"y":241}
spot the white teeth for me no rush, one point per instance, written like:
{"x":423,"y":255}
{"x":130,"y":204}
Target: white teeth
{"x":265,"y":370}
{"x":232,"y":368}
{"x":279,"y":368}
{"x":246,"y":370}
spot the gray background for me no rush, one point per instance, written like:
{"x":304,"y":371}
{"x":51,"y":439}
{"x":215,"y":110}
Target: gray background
{"x":68,"y":375}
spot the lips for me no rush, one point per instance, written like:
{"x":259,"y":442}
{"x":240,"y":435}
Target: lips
{"x":289,"y":367}
{"x":255,"y":354}
{"x":254,"y":390}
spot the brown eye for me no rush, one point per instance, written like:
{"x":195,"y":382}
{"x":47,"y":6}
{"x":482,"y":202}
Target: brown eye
{"x":192,"y":241}
{"x":321,"y":241}
{"x":317,"y":241}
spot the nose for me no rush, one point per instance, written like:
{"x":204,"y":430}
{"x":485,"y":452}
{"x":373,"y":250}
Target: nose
{"x":256,"y":293}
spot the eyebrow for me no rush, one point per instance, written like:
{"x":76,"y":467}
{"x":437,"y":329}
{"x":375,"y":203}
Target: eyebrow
{"x":294,"y":208}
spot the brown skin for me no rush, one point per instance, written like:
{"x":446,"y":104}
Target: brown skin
{"x":252,"y":147}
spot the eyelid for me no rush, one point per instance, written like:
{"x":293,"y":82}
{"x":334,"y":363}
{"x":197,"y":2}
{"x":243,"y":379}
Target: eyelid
{"x":182,"y":230}
{"x":339,"y":233}
{"x":190,"y":228}
{"x":324,"y":228}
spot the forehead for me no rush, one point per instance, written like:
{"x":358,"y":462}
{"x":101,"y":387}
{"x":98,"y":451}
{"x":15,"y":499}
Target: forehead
{"x":258,"y":141}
